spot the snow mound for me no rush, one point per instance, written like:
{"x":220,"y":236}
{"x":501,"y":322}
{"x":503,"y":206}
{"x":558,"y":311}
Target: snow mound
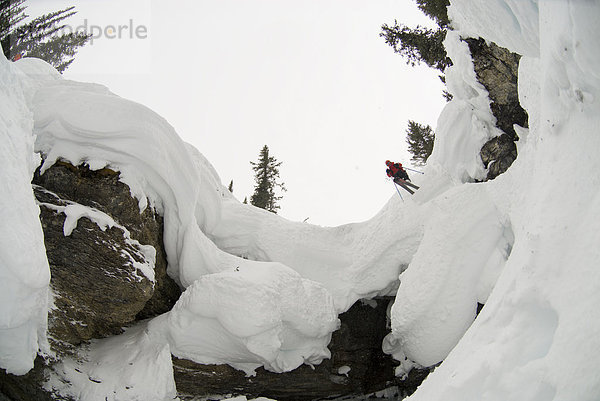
{"x":448,"y":276}
{"x":249,"y":317}
{"x":131,"y":366}
{"x":24,"y":271}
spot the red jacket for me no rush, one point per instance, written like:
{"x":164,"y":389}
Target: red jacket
{"x":393,"y":169}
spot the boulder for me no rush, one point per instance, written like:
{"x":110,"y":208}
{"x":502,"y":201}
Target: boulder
{"x":498,"y":154}
{"x":102,"y":190}
{"x":96,"y":287}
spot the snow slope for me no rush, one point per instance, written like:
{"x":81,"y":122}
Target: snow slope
{"x":537,"y":337}
{"x":264,"y":291}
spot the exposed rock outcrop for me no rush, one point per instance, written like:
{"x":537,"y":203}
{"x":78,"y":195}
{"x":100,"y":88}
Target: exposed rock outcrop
{"x":97,"y":281}
{"x":497,"y":70}
{"x":95,"y":284}
{"x":356,"y":345}
{"x":102,"y":190}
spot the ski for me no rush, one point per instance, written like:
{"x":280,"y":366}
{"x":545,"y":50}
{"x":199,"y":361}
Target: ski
{"x":403,"y":184}
{"x":410,"y":184}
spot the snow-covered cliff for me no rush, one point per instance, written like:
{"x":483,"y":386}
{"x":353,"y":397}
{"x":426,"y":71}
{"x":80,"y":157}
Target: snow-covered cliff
{"x":261,"y":291}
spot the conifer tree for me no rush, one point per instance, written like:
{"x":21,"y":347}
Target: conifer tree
{"x":420,"y":140}
{"x":40,"y":37}
{"x":11,"y":13}
{"x":418,"y":44}
{"x":230,"y":187}
{"x":266,"y":177}
{"x":436,"y":10}
{"x":422,"y":44}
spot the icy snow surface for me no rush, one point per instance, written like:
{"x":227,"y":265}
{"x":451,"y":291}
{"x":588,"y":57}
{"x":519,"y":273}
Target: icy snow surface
{"x":264,"y":291}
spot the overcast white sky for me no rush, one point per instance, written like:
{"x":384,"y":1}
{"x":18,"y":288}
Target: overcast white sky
{"x":311,"y":79}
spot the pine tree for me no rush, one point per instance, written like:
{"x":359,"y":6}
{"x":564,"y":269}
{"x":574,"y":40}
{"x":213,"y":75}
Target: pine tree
{"x":420,"y":140}
{"x":422,"y":44}
{"x":230,"y":186}
{"x":267,"y":181}
{"x":11,"y":13}
{"x":437,"y":10}
{"x":40,"y":37}
{"x":418,"y":45}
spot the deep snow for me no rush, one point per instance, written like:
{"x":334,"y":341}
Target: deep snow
{"x":521,"y":244}
{"x":24,"y":271}
{"x":537,"y":337}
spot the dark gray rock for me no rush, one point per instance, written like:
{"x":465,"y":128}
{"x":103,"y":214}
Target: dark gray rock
{"x":96,"y":287}
{"x":498,"y":154}
{"x":497,"y":70}
{"x":102,"y":190}
{"x":357,"y":344}
{"x":27,"y":387}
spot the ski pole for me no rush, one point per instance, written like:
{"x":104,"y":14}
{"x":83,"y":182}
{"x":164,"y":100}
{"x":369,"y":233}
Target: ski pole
{"x":416,"y":171}
{"x":397,"y":190}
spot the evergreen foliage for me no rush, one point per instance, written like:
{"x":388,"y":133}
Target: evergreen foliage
{"x":266,"y":176}
{"x":40,"y":37}
{"x":418,"y":44}
{"x":11,"y":13}
{"x":230,"y":187}
{"x":422,"y":44}
{"x":437,"y":10}
{"x":420,"y":140}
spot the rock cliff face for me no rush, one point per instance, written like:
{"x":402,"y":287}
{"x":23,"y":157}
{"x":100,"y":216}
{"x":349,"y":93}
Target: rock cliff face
{"x":497,"y":70}
{"x":103,"y":191}
{"x":95,"y":285}
{"x":97,"y":241}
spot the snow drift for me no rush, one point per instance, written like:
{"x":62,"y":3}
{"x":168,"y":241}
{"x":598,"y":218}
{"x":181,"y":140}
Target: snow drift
{"x":24,"y":271}
{"x":536,"y":338}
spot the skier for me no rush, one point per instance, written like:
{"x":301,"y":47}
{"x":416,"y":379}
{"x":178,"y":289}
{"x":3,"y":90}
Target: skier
{"x":400,"y":176}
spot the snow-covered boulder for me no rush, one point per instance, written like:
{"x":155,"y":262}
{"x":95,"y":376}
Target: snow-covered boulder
{"x":102,"y":190}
